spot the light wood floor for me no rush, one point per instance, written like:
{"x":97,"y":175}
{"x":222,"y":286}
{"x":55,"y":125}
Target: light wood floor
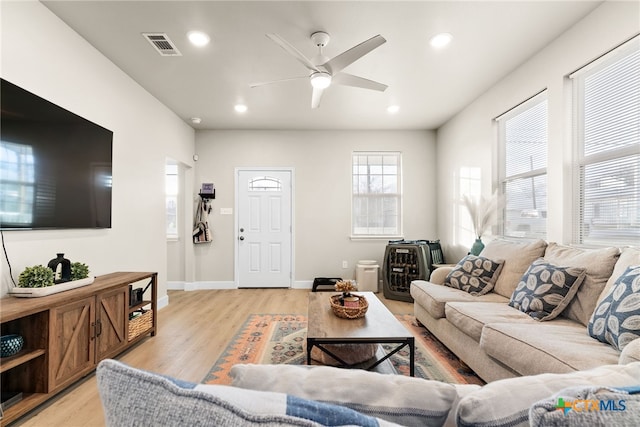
{"x":193,"y":330}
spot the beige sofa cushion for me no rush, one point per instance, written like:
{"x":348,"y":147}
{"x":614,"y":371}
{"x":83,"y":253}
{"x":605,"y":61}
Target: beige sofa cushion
{"x":433,"y":297}
{"x":560,"y":345}
{"x":628,"y":256}
{"x":507,"y":402}
{"x":517,"y":257}
{"x":599,"y":264}
{"x":631,"y":353}
{"x":470,"y":317}
{"x":396,"y":398}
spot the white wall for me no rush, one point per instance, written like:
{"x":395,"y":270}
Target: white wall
{"x":469,"y":139}
{"x":322,"y":216}
{"x":44,"y":56}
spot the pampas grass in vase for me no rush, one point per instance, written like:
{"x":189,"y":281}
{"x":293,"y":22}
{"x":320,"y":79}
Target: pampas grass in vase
{"x":483,"y":212}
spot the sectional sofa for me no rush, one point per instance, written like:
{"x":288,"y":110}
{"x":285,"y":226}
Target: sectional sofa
{"x":523,"y":315}
{"x":489,"y":330}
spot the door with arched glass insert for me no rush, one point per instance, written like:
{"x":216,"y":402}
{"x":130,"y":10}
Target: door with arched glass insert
{"x":264,"y":232}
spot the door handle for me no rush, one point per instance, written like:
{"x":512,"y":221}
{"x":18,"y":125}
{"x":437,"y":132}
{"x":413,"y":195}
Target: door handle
{"x":241,"y":237}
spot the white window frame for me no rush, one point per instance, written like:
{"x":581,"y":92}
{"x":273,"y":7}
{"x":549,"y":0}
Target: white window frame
{"x":618,"y":165}
{"x":376,"y":232}
{"x":531,"y":223}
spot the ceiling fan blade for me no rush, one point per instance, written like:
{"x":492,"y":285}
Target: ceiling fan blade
{"x":337,"y":63}
{"x":256,"y":84}
{"x":355,"y":81}
{"x":291,"y":50}
{"x":315,"y":97}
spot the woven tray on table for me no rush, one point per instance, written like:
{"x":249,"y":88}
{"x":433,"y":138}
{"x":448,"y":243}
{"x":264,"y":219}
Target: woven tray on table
{"x":349,"y":312}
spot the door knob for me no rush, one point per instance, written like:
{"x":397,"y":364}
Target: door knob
{"x":241,"y":237}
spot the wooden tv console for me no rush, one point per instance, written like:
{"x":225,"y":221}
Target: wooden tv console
{"x":68,"y":333}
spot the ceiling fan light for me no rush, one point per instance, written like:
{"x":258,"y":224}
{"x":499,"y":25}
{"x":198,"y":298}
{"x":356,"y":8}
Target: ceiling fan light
{"x":320,"y":80}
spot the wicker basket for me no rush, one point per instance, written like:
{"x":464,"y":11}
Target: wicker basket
{"x":141,"y":324}
{"x":349,"y":312}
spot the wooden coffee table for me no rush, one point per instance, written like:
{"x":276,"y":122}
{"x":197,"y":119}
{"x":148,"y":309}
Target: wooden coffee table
{"x":378,"y":326}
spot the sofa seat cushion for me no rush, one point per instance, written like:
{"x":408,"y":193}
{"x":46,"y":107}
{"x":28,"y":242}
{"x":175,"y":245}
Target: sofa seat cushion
{"x":560,"y":345}
{"x":471,"y":317}
{"x":433,"y":297}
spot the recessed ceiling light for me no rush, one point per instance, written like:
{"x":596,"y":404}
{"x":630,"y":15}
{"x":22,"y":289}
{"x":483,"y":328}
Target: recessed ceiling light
{"x":240,"y":108}
{"x":196,"y":120}
{"x":198,"y":38}
{"x":392,"y":109}
{"x":440,"y":40}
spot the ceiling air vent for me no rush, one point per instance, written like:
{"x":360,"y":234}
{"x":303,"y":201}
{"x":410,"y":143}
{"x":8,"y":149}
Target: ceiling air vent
{"x":162,"y":44}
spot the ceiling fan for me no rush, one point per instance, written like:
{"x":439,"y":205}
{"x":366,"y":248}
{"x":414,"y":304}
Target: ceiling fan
{"x":325,"y":71}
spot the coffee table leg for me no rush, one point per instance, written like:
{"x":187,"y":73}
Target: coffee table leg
{"x":310,"y":344}
{"x":412,"y":356}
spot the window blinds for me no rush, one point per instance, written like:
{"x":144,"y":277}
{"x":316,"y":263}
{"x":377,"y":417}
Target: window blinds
{"x":607,"y":164}
{"x":523,"y":140}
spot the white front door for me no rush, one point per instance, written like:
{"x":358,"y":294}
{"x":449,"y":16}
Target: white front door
{"x":264,"y":233}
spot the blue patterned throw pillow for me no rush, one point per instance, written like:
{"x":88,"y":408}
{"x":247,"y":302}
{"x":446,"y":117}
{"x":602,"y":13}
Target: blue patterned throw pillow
{"x":474,"y":274}
{"x":546,"y":289}
{"x":616,"y":320}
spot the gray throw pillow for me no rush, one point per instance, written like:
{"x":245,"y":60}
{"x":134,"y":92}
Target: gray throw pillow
{"x":546,"y":289}
{"x":474,"y":274}
{"x":616,"y":319}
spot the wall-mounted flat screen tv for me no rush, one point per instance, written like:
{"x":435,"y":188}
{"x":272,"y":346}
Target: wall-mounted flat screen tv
{"x":55,"y":166}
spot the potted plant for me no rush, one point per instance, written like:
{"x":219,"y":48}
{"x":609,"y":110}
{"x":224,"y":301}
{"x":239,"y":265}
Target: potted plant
{"x":37,"y":276}
{"x":79,"y":270}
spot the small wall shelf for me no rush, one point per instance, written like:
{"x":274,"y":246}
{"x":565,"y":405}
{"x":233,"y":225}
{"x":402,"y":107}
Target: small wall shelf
{"x":208,"y":196}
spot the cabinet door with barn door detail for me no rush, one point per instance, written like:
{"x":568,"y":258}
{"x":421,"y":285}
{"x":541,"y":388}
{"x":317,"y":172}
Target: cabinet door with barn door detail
{"x":111,"y":323}
{"x":72,"y":342}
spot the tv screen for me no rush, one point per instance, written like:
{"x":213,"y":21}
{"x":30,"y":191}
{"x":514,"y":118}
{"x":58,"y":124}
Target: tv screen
{"x":55,"y":166}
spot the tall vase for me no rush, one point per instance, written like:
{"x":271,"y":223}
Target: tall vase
{"x":61,"y":269}
{"x":477,"y":247}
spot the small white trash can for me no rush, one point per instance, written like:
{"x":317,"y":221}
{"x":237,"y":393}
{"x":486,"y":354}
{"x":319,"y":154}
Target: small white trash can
{"x":367,"y":276}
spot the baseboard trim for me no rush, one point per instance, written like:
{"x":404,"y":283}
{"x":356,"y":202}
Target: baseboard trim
{"x":302,"y":284}
{"x":200,"y":286}
{"x":214,"y":285}
{"x":163,"y":302}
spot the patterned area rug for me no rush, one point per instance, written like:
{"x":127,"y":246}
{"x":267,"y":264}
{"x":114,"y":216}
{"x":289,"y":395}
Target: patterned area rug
{"x":281,"y":339}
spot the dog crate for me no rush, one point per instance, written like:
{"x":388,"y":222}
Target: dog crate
{"x":405,"y":261}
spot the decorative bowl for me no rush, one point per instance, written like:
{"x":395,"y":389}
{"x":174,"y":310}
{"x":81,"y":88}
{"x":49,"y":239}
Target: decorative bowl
{"x":10,"y":345}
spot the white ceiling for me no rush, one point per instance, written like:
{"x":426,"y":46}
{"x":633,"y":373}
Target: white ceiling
{"x":490,"y":40}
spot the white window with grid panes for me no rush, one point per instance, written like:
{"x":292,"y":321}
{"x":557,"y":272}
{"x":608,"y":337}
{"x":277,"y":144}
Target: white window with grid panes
{"x":523,"y":168}
{"x":376,"y":201}
{"x":607,"y":139}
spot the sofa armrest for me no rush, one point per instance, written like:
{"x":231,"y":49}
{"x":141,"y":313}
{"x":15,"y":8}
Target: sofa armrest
{"x":439,"y":274}
{"x":630,"y":353}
